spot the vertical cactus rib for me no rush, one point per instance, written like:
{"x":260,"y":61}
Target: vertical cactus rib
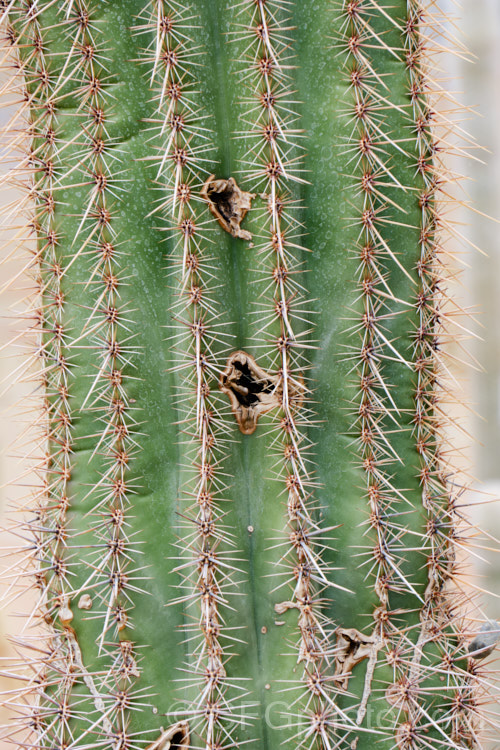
{"x":273,"y":169}
{"x":205,"y":546}
{"x":437,"y":610}
{"x":30,"y":513}
{"x":416,"y":666}
{"x":441,"y":618}
{"x":85,"y":697}
{"x":49,"y":525}
{"x":106,"y":334}
{"x":380,"y":356}
{"x":377,"y":409}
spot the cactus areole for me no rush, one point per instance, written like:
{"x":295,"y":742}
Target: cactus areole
{"x":246,"y":528}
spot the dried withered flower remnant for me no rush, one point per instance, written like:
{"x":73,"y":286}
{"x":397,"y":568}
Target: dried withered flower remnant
{"x":175,"y":737}
{"x":352,"y":648}
{"x":253,"y":391}
{"x":229,"y":204}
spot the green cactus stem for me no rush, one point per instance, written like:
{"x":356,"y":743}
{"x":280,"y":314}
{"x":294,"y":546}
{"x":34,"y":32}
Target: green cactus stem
{"x":247,"y":526}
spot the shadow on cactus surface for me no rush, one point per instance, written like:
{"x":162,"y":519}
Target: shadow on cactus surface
{"x":248,"y":530}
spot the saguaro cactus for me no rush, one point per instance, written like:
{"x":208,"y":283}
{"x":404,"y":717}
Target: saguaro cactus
{"x":247,"y":524}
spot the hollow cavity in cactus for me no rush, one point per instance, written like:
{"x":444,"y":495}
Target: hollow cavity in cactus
{"x":247,"y":523}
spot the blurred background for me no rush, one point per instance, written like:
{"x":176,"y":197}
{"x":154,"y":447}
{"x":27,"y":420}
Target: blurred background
{"x":475,"y":81}
{"x":477,"y":86}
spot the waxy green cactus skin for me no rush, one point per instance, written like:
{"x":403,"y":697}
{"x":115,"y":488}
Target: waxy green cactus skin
{"x":227,"y":572}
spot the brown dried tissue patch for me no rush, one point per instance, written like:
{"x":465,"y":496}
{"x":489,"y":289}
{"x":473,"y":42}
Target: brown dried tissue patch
{"x":252,"y":391}
{"x":351,"y":648}
{"x":229,"y":204}
{"x":175,"y":737}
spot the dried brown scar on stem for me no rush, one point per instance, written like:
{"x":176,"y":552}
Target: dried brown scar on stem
{"x":252,"y":391}
{"x":351,"y":648}
{"x":229,"y":204}
{"x":175,"y":737}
